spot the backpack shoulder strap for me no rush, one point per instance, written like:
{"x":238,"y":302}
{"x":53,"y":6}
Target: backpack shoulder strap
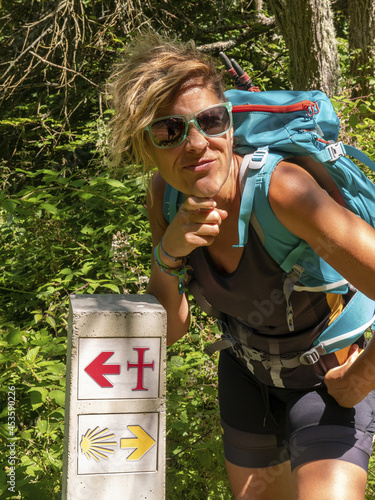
{"x":171,"y":202}
{"x":258,"y":169}
{"x":254,"y":167}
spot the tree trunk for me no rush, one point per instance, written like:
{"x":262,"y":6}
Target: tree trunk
{"x":309,"y":34}
{"x":258,"y":5}
{"x":362,"y":44}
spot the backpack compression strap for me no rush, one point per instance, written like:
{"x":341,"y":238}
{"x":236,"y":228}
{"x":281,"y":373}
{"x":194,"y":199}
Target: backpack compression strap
{"x":334,"y":151}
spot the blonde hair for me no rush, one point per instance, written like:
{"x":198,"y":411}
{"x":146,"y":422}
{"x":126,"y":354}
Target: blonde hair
{"x":152,"y":73}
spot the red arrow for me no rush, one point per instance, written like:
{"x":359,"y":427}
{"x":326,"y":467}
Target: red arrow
{"x":96,"y":369}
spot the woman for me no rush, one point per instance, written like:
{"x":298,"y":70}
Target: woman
{"x":301,"y":440}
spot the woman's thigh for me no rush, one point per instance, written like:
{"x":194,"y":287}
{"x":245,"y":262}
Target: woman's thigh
{"x":253,"y":425}
{"x":319,"y":429}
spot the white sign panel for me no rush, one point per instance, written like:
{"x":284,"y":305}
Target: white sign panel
{"x":117,"y":443}
{"x":118,"y":368}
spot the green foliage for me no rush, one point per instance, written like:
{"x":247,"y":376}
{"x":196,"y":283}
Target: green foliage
{"x":33,"y":364}
{"x":357,"y":123}
{"x":370,"y":489}
{"x":54,"y":216}
{"x":86,"y":233}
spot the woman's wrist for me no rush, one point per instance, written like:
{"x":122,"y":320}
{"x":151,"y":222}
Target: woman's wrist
{"x":169,"y":260}
{"x":181,"y":271}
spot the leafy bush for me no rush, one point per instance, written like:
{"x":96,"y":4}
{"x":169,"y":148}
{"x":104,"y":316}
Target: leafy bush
{"x":87,"y":233}
{"x":357,"y":124}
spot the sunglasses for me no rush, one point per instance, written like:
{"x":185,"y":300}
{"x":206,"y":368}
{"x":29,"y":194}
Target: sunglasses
{"x":171,"y":131}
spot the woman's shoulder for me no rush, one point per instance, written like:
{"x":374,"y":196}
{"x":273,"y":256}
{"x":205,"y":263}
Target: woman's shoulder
{"x":291,"y":185}
{"x":301,"y":204}
{"x":157,"y":185}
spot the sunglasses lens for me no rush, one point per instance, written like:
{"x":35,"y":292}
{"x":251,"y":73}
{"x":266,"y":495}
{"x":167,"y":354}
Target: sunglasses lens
{"x":214,"y":121}
{"x":168,"y":132}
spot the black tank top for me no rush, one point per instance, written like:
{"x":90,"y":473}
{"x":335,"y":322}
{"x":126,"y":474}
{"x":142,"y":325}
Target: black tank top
{"x":253,"y":302}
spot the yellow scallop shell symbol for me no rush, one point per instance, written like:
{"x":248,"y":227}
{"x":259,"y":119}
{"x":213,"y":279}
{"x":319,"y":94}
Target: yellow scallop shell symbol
{"x":94,"y":444}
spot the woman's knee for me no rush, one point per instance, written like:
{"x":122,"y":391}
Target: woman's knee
{"x":329,"y":480}
{"x":266,"y":483}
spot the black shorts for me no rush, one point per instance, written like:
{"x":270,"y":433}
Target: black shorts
{"x":265,"y":426}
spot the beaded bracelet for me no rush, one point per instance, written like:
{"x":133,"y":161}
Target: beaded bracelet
{"x":180,"y":272}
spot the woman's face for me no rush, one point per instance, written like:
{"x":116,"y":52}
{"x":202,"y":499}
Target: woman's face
{"x":200,"y":165}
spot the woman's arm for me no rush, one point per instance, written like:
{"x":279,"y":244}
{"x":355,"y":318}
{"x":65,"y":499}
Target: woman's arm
{"x":347,"y":243}
{"x":196,"y":224}
{"x":340,"y":237}
{"x":161,"y":285}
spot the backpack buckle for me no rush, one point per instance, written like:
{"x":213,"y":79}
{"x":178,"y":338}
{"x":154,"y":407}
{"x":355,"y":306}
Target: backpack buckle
{"x":258,"y":158}
{"x":336,"y":150}
{"x":312,"y":356}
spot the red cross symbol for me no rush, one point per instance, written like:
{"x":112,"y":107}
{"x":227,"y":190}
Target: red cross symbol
{"x":140,"y":366}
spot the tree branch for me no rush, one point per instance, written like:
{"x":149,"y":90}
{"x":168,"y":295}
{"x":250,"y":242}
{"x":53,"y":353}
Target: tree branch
{"x":28,"y":49}
{"x":63,"y":67}
{"x":249,"y":33}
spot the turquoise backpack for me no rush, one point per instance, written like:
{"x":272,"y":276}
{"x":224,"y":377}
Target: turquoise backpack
{"x":268,"y":127}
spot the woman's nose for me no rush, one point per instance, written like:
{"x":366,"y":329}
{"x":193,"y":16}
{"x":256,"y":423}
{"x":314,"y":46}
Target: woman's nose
{"x":195,"y":140}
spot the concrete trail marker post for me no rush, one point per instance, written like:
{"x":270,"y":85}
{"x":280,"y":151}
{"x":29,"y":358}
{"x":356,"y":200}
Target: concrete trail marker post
{"x":114,"y":443}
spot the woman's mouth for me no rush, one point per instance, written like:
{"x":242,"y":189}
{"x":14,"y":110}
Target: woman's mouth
{"x":199,"y":166}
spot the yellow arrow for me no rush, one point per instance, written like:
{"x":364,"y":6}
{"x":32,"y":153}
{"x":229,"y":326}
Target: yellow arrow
{"x":142,"y":442}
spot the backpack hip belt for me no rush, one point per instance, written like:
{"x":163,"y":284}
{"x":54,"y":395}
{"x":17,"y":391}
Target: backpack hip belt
{"x":354,"y":320}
